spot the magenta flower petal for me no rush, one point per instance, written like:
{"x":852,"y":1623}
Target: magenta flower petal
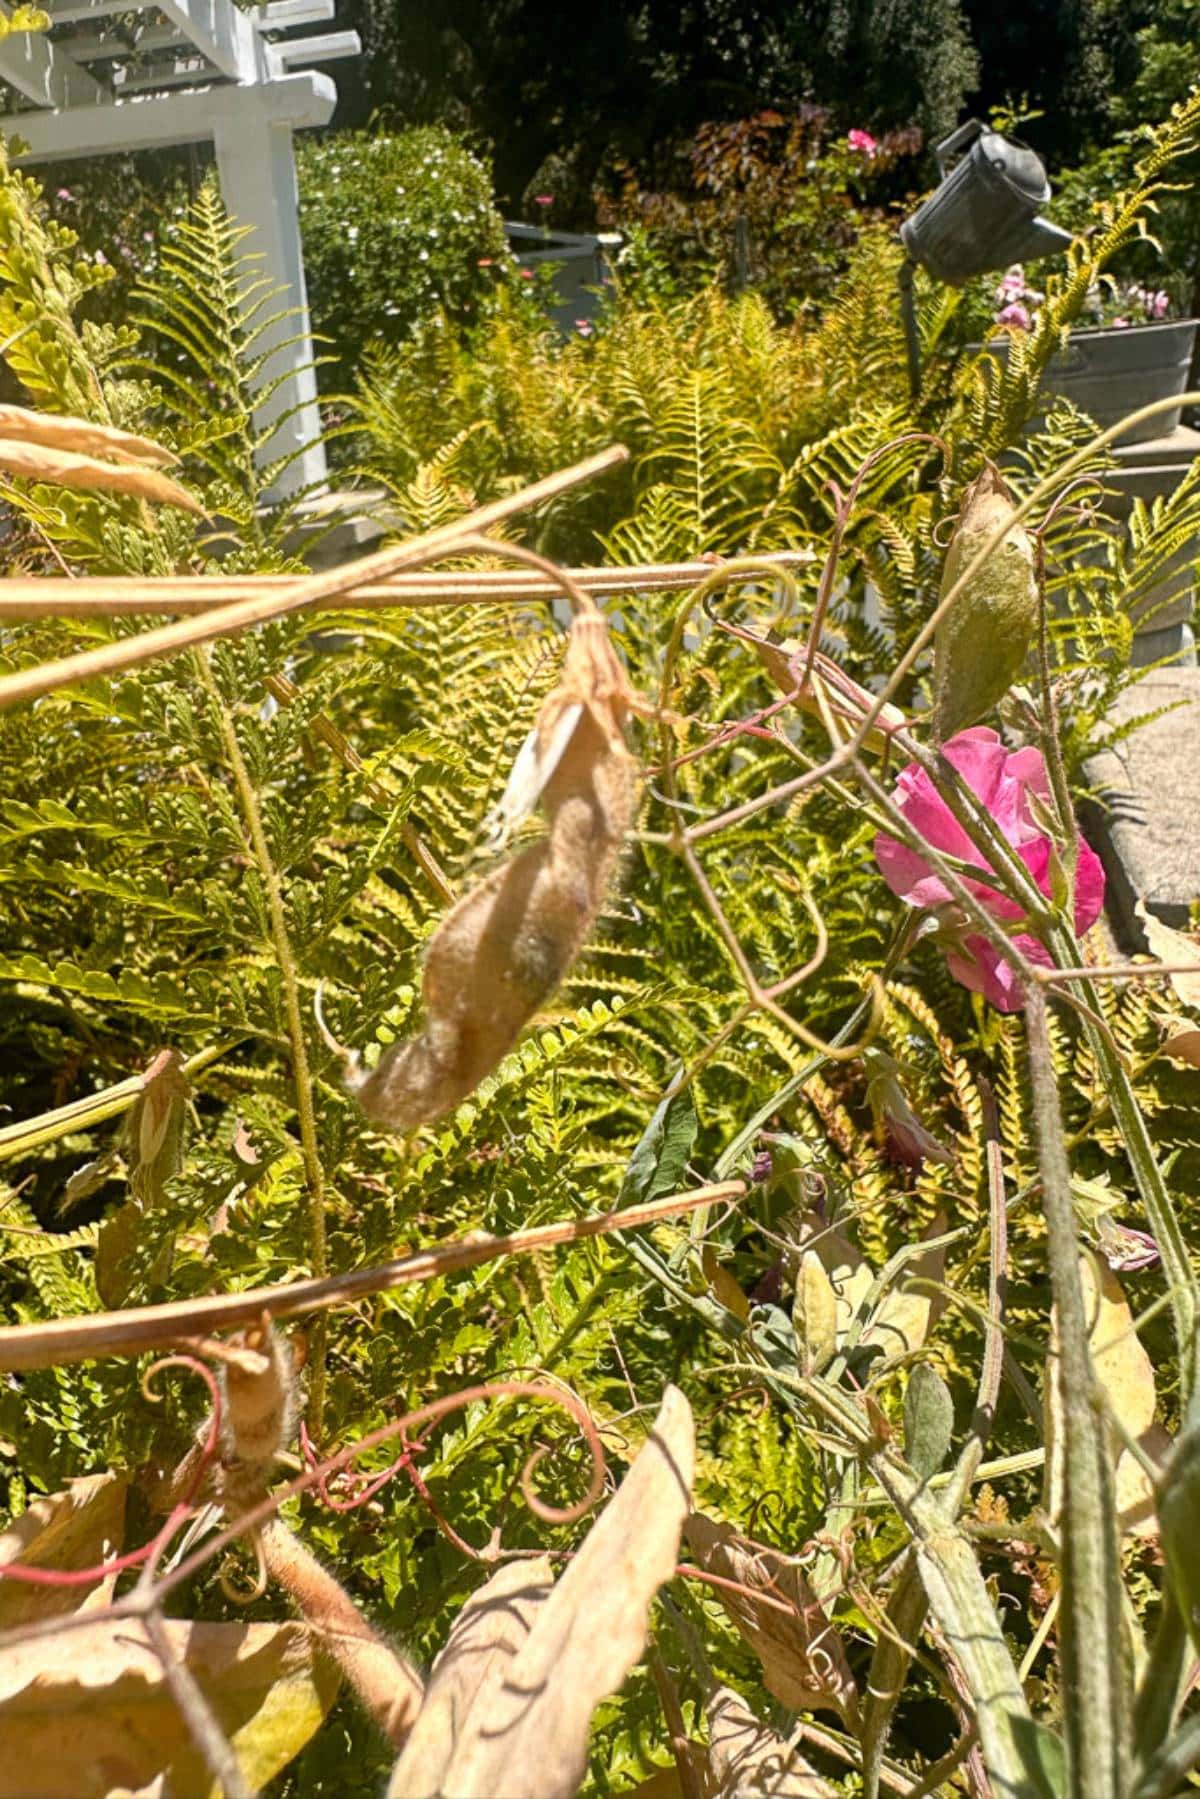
{"x":1006,"y":783}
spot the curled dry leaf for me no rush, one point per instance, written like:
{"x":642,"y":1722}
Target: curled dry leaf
{"x":78,"y":1528}
{"x":803,"y":1661}
{"x":65,"y":468}
{"x":522,"y":1732}
{"x":491,"y":1627}
{"x":88,"y":1712}
{"x":1126,"y":1374}
{"x":1173,"y":947}
{"x":745,"y":1758}
{"x":20,"y":425}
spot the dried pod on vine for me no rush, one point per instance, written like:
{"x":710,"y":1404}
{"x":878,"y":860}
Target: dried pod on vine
{"x":505,"y":947}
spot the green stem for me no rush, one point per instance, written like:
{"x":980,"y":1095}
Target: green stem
{"x":1095,"y":1703}
{"x":314,"y":1173}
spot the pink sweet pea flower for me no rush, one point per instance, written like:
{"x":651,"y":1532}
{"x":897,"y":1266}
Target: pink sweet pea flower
{"x":862,"y":140}
{"x":1014,"y":314}
{"x":1005,"y":781}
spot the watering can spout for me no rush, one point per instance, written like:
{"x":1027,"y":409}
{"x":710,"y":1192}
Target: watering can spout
{"x":1041,"y":238}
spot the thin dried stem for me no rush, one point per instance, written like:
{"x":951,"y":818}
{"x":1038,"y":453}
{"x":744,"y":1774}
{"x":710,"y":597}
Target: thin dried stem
{"x":195,"y":1710}
{"x":304,"y":594}
{"x":57,"y":1341}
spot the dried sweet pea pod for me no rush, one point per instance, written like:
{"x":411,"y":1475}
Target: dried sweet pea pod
{"x":501,"y":952}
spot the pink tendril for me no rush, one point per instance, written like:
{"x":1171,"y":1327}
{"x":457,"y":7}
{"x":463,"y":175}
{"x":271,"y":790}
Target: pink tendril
{"x":134,"y":1558}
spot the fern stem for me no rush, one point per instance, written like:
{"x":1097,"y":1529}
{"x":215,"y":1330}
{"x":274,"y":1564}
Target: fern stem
{"x":310,"y":1149}
{"x":1095,"y":1709}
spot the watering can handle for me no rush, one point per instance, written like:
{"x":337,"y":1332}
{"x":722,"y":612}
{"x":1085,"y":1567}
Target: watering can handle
{"x":956,"y":141}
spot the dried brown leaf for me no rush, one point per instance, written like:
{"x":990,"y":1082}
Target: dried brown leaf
{"x":90,"y":1711}
{"x":527,"y":1730}
{"x":64,"y":468}
{"x":20,"y":425}
{"x":1183,"y":1045}
{"x":804,"y":1663}
{"x":491,"y":1627}
{"x":1172,"y":946}
{"x":70,"y":1530}
{"x":745,"y":1758}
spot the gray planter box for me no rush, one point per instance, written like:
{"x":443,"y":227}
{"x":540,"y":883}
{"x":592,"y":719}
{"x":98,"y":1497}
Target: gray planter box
{"x":577,"y":260}
{"x":1111,"y":373}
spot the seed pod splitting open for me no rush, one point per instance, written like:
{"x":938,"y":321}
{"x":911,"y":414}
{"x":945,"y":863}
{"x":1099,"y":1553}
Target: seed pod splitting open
{"x":504,"y":948}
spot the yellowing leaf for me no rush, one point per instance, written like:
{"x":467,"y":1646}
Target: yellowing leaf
{"x":850,"y":1275}
{"x":89,"y":1711}
{"x":1173,"y":947}
{"x":74,"y":1529}
{"x":723,"y":1286}
{"x":803,"y":1661}
{"x":1183,"y":1045}
{"x":908,"y":1310}
{"x":1126,"y":1373}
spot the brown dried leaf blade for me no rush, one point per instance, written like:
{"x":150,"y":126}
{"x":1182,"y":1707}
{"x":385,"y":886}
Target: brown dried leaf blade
{"x":57,"y":432}
{"x":804,"y":1663}
{"x":488,"y":1632}
{"x":746,"y":1758}
{"x":66,"y":468}
{"x":525,"y":1735}
{"x":75,"y":1529}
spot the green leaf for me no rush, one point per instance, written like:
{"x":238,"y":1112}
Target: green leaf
{"x":1178,"y":1510}
{"x":658,"y":1164}
{"x":928,"y":1420}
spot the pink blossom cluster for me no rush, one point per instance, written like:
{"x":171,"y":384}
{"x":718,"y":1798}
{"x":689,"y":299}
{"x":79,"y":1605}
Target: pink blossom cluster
{"x":1017,"y":302}
{"x":862,"y":141}
{"x":1008,"y":783}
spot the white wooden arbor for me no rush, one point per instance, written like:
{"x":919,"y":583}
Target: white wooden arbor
{"x":115,"y":75}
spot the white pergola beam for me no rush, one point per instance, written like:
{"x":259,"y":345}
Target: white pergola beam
{"x":75,"y":11}
{"x":220,"y":31}
{"x":102,"y":46}
{"x":45,"y":73}
{"x":303,"y":98}
{"x":282,"y":15}
{"x":331,"y":46}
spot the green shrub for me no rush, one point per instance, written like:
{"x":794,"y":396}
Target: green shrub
{"x":395,"y":228}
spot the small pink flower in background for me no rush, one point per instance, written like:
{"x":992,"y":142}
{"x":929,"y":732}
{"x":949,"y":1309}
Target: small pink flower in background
{"x":527,"y":274}
{"x":1012,"y":283}
{"x":64,"y":193}
{"x":862,"y":140}
{"x":485,"y":262}
{"x":1157,"y":304}
{"x":1120,"y":324}
{"x":584,"y":327}
{"x":1005,"y":781}
{"x":543,"y":199}
{"x":1014,"y":314}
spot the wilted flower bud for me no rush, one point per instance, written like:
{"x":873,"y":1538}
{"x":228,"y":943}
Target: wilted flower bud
{"x":897,"y":1128}
{"x":1123,"y":1248}
{"x":981,"y":644}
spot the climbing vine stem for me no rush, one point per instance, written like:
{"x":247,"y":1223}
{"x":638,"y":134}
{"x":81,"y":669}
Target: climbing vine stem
{"x":314,"y":1173}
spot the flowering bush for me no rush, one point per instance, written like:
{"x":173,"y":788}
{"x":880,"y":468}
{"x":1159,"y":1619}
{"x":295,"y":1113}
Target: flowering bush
{"x":396,"y":228}
{"x":1108,"y":302}
{"x":1008,"y":783}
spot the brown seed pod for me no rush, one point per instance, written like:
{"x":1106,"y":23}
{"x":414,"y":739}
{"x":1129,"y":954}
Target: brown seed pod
{"x":260,"y":1407}
{"x":504,"y":948}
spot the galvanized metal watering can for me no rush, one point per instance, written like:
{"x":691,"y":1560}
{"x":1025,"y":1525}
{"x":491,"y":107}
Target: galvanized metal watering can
{"x":985,"y":213}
